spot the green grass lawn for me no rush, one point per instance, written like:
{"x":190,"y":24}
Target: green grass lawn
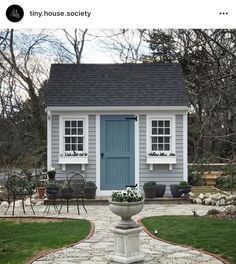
{"x":208,"y":233}
{"x":20,"y":240}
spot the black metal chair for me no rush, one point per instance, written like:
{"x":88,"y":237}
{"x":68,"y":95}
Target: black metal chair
{"x":19,"y":188}
{"x":74,"y":189}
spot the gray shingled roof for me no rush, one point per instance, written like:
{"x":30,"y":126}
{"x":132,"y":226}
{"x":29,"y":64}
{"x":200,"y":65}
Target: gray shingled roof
{"x":159,"y":84}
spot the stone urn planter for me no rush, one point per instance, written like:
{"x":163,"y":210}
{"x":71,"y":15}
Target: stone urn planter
{"x":126,"y":210}
{"x":126,"y":204}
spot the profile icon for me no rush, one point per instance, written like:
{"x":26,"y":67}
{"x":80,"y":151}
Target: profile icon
{"x":14,"y":13}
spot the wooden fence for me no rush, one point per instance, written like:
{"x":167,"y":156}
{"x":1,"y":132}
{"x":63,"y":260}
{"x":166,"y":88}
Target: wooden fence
{"x":211,"y":174}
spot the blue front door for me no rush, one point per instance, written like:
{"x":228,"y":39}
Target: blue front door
{"x":117,"y":152}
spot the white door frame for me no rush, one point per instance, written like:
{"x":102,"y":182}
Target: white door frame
{"x":98,"y":150}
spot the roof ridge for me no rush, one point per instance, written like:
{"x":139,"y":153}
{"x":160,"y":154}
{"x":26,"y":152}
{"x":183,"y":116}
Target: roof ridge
{"x":118,"y":64}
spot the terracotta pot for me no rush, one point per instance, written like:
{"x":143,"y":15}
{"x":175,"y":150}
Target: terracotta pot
{"x":41,"y":192}
{"x":126,"y":210}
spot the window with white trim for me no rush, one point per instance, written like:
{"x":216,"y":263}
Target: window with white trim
{"x":73,"y":137}
{"x":160,"y":135}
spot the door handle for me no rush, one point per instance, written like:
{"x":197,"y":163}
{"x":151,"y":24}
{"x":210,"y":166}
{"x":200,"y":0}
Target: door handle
{"x":102,"y":155}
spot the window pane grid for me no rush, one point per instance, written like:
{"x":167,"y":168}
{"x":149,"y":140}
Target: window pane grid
{"x":74,"y":135}
{"x":160,"y":135}
{"x":74,"y":131}
{"x":73,"y":147}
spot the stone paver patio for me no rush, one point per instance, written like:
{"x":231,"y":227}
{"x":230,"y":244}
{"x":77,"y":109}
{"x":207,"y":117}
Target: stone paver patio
{"x":99,"y":248}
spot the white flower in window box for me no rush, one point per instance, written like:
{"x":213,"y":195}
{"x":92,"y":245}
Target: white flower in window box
{"x":161,"y":158}
{"x":73,"y":158}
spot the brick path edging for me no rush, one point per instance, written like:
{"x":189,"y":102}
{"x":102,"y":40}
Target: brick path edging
{"x":92,"y":230}
{"x":224,"y":261}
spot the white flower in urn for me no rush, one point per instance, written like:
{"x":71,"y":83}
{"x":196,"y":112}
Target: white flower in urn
{"x":128,"y":195}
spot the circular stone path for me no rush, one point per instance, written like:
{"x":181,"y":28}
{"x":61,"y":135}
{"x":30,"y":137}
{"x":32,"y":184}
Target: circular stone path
{"x":99,"y":248}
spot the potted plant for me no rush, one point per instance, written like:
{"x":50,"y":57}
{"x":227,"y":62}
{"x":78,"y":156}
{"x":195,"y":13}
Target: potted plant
{"x":51,"y":190}
{"x":160,"y":190}
{"x":184,"y":188}
{"x":150,"y":189}
{"x":41,"y":190}
{"x":90,"y":190}
{"x":51,"y":173}
{"x":174,"y":188}
{"x":126,"y":203}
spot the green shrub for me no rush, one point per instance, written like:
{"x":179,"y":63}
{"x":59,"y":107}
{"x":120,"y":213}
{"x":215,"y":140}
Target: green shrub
{"x":183,"y":184}
{"x":51,"y":185}
{"x":195,"y":175}
{"x":221,"y":182}
{"x":227,"y":180}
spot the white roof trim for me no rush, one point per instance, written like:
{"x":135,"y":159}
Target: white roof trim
{"x":117,"y":108}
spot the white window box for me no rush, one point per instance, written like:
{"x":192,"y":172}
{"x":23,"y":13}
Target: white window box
{"x":161,"y":160}
{"x":73,"y":160}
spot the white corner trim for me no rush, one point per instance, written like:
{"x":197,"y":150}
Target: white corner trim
{"x":49,"y":139}
{"x":98,"y":169}
{"x":86,"y":133}
{"x":173,"y":134}
{"x":61,"y":127}
{"x":136,"y":150}
{"x":148,"y":130}
{"x":185,"y":147}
